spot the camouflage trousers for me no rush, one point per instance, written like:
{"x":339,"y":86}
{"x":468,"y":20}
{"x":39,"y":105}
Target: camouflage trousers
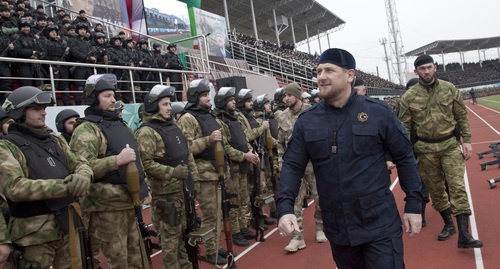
{"x":56,"y":254}
{"x":172,"y":237}
{"x":115,"y":233}
{"x":204,"y":192}
{"x":445,"y":168}
{"x":265,"y":188}
{"x":238,"y":185}
{"x":308,"y":183}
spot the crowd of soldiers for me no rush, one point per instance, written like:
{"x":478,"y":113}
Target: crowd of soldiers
{"x":173,"y":149}
{"x":31,"y":34}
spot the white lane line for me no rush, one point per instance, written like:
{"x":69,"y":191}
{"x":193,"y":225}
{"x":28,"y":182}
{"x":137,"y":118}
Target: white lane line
{"x":485,"y":122}
{"x":473,"y":226}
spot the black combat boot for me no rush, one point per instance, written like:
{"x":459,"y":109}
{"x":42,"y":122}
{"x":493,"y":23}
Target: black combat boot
{"x":239,"y":240}
{"x":465,"y":240}
{"x":424,"y":223}
{"x":247,"y":234}
{"x":211,"y":259}
{"x":448,"y":228}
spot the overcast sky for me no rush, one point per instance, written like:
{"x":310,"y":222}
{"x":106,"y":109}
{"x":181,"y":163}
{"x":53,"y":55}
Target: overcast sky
{"x":421,"y":22}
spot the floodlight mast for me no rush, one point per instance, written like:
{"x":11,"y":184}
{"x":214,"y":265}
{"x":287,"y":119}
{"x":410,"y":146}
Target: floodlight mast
{"x":398,"y":57}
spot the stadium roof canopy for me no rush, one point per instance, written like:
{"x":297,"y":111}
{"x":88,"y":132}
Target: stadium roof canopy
{"x":303,"y":12}
{"x":451,"y":46}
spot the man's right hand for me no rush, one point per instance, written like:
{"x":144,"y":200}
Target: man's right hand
{"x":288,"y":225}
{"x":127,"y":155}
{"x":78,"y":185}
{"x":265,"y":124}
{"x":215,"y":136}
{"x":251,"y":157}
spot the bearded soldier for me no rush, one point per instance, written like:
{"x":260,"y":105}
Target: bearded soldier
{"x":40,"y":177}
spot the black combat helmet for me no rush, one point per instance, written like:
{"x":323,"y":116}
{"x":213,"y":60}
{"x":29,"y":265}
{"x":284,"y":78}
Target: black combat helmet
{"x":260,"y":101}
{"x":196,"y":88}
{"x":156,"y":45}
{"x":176,"y":108}
{"x":50,"y":28}
{"x":99,"y":35}
{"x":171,"y":45}
{"x":24,"y":97}
{"x":63,"y":116}
{"x":222,"y":95}
{"x":81,"y":25}
{"x":96,"y":84}
{"x":243,"y":95}
{"x":157,"y":92}
{"x":278,"y":95}
{"x":411,"y":82}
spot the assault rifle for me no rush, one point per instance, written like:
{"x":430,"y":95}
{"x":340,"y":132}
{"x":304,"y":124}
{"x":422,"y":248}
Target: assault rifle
{"x":193,"y":234}
{"x":219,"y":161}
{"x":493,"y":182}
{"x":497,"y":161}
{"x":257,"y":198}
{"x":133,"y":185}
{"x":494,"y":147}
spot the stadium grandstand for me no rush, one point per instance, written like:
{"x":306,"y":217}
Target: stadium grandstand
{"x":261,"y":44}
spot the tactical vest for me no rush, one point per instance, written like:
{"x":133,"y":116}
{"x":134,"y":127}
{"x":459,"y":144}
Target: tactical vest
{"x":118,"y":135}
{"x":208,"y":125}
{"x":238,"y":137}
{"x":175,"y":143}
{"x":253,"y":122}
{"x":46,"y":160}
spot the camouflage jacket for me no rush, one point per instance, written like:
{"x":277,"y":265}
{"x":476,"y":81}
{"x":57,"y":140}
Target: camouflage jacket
{"x":233,"y":154}
{"x":260,"y":118}
{"x":90,"y":142}
{"x":4,"y":233}
{"x":435,"y":111}
{"x":252,"y":133}
{"x":197,"y":144}
{"x":15,"y":185}
{"x":286,"y":120}
{"x":151,"y":147}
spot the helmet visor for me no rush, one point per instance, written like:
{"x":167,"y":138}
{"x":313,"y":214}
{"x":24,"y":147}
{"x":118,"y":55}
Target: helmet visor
{"x":42,"y":98}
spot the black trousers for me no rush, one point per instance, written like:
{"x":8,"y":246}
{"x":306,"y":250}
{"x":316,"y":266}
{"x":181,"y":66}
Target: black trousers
{"x":386,"y":253}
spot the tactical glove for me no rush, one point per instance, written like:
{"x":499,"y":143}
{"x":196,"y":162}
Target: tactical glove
{"x":180,"y":172}
{"x":78,"y":185}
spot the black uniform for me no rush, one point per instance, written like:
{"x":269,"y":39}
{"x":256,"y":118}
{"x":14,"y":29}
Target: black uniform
{"x":173,"y":62}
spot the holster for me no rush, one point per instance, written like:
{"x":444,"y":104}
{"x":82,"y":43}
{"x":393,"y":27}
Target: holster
{"x":21,"y":263}
{"x":168,"y":212}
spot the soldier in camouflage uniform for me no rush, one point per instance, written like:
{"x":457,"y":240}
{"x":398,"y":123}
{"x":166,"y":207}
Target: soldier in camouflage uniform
{"x":39,"y":208}
{"x":165,"y":157}
{"x":202,"y":131}
{"x":4,"y":241}
{"x":315,"y":96}
{"x":102,"y":137}
{"x":241,"y":156}
{"x":65,"y":121}
{"x":253,"y":131}
{"x":262,"y":111}
{"x":5,"y":121}
{"x":278,"y":105}
{"x":436,"y":107}
{"x":286,"y":120}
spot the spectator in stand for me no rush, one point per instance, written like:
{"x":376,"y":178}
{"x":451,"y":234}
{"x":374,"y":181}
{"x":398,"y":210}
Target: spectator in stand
{"x":41,"y":23}
{"x":82,"y":18}
{"x":359,"y":86}
{"x":27,"y":47}
{"x":59,"y":16}
{"x":8,"y":20}
{"x":173,"y":62}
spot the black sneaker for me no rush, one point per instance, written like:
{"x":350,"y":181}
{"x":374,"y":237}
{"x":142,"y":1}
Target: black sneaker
{"x":220,"y":261}
{"x":269,"y":221}
{"x":239,"y":240}
{"x":247,"y":234}
{"x":223,"y":253}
